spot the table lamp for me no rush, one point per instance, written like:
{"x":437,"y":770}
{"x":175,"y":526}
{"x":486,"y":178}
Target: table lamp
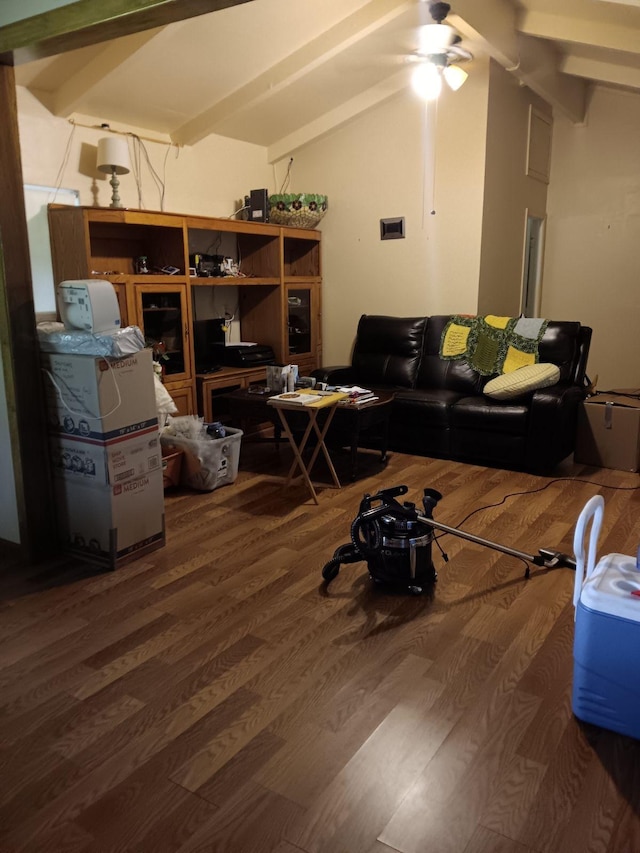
{"x":113,"y":158}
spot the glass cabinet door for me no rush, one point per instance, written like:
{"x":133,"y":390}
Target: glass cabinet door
{"x":299,"y":321}
{"x":162,"y":315}
{"x":121,"y":294}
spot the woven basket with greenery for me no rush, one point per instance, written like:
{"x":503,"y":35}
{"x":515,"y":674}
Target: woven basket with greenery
{"x":300,"y":210}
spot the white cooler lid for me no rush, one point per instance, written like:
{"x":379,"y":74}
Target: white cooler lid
{"x":609,"y":589}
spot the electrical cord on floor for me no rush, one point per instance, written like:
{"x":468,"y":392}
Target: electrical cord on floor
{"x":529,"y":492}
{"x":546,"y":486}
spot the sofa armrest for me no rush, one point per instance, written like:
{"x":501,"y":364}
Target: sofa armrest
{"x":552,"y":425}
{"x":340,"y":374}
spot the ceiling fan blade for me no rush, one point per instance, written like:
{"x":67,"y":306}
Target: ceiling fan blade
{"x":386,"y":60}
{"x":436,"y":38}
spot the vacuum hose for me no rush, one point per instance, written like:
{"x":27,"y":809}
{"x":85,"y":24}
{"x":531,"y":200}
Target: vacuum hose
{"x":370,"y":543}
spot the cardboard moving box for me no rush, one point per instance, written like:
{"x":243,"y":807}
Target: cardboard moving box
{"x":106,"y":462}
{"x":106,"y":455}
{"x":110,"y":525}
{"x":99,"y":398}
{"x":609,"y":431}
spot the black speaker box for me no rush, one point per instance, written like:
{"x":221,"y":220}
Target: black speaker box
{"x":259,"y":206}
{"x":208,"y":338}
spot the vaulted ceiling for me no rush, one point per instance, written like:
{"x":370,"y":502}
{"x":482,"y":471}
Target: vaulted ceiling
{"x":279,"y":73}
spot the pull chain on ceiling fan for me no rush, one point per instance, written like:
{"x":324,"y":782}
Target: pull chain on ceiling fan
{"x":437,"y":55}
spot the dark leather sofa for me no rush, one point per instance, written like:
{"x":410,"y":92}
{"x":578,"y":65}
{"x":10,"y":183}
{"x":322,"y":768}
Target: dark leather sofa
{"x":440,"y":409}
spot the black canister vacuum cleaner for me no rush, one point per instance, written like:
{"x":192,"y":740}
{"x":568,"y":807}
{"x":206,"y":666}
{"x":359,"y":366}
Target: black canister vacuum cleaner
{"x":396,"y":542}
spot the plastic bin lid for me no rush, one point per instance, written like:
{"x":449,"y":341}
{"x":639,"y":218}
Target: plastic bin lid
{"x":610,"y":587}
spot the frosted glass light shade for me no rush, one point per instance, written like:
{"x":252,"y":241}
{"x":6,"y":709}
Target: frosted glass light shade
{"x":455,"y":76}
{"x":426,"y":81}
{"x":113,"y":155}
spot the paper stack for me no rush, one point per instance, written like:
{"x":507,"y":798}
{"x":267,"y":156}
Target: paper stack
{"x":357,"y":396}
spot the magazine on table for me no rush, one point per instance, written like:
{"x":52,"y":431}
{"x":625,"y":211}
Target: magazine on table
{"x":315,"y":399}
{"x":358,"y":401}
{"x":357,"y":396}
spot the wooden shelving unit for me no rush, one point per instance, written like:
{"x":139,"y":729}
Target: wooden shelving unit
{"x":278,"y":290}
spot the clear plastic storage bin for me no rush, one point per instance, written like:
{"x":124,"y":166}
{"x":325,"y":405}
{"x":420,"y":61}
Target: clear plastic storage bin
{"x":208,"y":463}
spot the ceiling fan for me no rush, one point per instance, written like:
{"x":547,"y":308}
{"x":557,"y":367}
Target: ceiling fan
{"x":438,"y":55}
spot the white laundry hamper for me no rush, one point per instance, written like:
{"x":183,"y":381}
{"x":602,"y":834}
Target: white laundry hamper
{"x":606,"y":649}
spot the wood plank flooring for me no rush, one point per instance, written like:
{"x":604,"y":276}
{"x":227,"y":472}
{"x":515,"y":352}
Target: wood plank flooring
{"x":216,"y":696}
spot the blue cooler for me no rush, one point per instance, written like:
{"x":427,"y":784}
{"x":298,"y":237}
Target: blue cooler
{"x":606,"y":651}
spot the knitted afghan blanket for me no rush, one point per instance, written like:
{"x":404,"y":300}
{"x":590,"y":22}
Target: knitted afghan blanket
{"x":492,"y":344}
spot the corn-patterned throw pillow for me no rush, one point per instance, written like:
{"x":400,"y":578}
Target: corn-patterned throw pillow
{"x":519,"y":382}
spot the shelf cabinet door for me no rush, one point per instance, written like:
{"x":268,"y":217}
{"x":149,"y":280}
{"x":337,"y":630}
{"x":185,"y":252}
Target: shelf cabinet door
{"x":121,"y":293}
{"x":162,"y":314}
{"x":183,"y":398}
{"x":302,"y":338}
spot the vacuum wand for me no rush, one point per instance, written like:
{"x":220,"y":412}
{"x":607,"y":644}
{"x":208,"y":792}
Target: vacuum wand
{"x":545,"y":557}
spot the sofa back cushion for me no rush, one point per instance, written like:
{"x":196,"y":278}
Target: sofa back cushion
{"x":388,"y":350}
{"x":561,"y":345}
{"x":435,"y":372}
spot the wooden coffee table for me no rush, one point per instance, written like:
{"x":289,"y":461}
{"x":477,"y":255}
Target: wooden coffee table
{"x":246,"y":407}
{"x":351,"y":421}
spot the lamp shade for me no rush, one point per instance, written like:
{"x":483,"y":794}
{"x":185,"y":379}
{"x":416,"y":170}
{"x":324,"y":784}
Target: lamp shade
{"x":455,"y":76}
{"x":113,"y":155}
{"x":426,"y":81}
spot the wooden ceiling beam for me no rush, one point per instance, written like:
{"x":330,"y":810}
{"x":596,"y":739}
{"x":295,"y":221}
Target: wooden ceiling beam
{"x":495,"y":25}
{"x":491,"y":23}
{"x":605,"y":72}
{"x":596,"y":34}
{"x":87,"y":22}
{"x":539,"y":70}
{"x":337,"y":117}
{"x":320,"y":50}
{"x":68,"y":97}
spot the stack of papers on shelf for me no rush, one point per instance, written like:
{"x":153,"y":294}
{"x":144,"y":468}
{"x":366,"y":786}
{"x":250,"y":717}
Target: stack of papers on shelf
{"x":315,"y":399}
{"x":356,"y":396}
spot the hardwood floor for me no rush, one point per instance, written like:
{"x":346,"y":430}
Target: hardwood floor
{"x":215,"y":696}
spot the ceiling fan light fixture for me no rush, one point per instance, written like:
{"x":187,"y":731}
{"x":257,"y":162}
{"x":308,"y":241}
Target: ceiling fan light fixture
{"x":426,"y":81}
{"x":455,"y":76}
{"x":435,"y":38}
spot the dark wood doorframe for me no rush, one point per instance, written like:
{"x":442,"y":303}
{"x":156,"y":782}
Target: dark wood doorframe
{"x":20,"y":356}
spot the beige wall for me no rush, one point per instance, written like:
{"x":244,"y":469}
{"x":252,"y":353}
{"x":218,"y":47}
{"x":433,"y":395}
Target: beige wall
{"x":373,"y":168}
{"x":592,"y":259}
{"x":210,"y":178}
{"x":508,"y":194}
{"x":466,"y":258}
{"x":207,"y":178}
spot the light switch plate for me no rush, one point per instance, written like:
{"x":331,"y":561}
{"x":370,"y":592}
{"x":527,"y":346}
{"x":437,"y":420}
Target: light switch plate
{"x":392,"y":229}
